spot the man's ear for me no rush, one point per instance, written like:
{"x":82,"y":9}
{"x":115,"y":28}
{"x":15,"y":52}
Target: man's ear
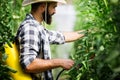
{"x":43,"y":7}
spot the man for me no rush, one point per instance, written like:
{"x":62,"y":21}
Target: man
{"x":34,"y":40}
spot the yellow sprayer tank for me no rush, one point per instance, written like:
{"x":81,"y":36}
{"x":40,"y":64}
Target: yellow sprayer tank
{"x":13,"y":62}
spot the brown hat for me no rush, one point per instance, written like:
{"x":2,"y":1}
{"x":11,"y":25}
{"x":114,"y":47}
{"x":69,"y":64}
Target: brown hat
{"x":28,"y":2}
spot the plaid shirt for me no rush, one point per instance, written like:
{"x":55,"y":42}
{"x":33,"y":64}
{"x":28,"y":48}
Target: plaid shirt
{"x":34,"y":40}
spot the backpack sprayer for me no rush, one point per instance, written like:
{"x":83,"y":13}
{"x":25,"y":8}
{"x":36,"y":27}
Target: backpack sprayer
{"x":13,"y":54}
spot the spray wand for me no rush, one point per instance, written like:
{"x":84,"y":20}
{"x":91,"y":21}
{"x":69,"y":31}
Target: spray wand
{"x":77,"y":66}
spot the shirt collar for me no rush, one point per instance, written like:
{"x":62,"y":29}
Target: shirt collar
{"x":29,"y":16}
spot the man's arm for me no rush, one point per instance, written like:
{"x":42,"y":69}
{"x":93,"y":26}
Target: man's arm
{"x":28,"y":52}
{"x":40,"y":65}
{"x":72,"y":36}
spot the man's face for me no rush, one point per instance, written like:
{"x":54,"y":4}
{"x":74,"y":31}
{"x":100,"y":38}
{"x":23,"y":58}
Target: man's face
{"x":47,"y":14}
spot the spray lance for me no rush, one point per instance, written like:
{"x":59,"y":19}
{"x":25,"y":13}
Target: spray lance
{"x":76,"y":66}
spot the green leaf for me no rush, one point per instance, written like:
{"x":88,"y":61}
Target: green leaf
{"x":4,"y":57}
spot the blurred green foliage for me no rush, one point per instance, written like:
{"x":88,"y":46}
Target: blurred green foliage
{"x":11,"y":14}
{"x":99,"y":50}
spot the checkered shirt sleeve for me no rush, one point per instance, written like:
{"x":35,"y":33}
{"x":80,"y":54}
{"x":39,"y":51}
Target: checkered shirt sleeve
{"x":29,"y":43}
{"x":56,"y":37}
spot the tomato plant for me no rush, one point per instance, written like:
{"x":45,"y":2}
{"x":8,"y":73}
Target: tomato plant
{"x":6,"y":35}
{"x":98,"y":51}
{"x":10,"y":10}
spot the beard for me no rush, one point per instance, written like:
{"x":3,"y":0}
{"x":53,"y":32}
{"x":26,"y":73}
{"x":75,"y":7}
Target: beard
{"x":47,"y":17}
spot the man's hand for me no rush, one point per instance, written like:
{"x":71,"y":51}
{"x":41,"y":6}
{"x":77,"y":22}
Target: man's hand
{"x":66,"y":63}
{"x":72,"y":36}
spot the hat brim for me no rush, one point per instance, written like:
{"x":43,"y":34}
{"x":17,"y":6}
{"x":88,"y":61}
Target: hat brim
{"x":27,"y":2}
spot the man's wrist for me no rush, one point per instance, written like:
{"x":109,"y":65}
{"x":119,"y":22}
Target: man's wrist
{"x":56,"y":62}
